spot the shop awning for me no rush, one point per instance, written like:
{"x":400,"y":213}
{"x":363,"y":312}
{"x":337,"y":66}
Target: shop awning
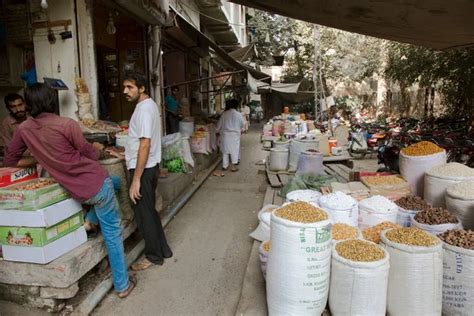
{"x":229,"y":60}
{"x":437,"y":24}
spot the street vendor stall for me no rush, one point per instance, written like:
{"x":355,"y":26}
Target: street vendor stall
{"x":392,"y":252}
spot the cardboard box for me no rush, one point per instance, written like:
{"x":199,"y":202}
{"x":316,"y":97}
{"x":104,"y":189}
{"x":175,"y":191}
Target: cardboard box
{"x":9,"y":176}
{"x":44,"y":217}
{"x":39,"y":236}
{"x":11,"y":197}
{"x":48,"y":253}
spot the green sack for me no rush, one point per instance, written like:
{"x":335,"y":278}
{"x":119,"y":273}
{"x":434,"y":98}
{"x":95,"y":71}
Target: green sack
{"x":306,"y":182}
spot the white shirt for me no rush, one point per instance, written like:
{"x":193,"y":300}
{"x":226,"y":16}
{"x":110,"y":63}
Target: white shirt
{"x":245,"y":110}
{"x":145,"y":123}
{"x":230,"y":121}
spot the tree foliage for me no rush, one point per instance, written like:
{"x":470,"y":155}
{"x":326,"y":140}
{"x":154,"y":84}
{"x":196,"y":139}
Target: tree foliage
{"x":450,"y":72}
{"x":345,"y":57}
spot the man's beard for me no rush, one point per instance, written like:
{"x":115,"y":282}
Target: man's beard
{"x":20,"y":117}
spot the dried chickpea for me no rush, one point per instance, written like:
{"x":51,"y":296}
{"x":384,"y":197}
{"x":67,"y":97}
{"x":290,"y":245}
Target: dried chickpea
{"x":301,"y":212}
{"x":373,"y":233}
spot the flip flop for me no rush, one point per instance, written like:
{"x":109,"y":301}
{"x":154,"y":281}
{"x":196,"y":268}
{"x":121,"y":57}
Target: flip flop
{"x":132,"y":282}
{"x":142,"y":265}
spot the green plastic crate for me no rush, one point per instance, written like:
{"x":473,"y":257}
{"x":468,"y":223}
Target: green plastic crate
{"x":39,"y":236}
{"x":31,"y":200}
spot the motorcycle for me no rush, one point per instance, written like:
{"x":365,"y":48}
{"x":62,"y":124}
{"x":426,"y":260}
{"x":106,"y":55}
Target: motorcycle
{"x":360,"y":146}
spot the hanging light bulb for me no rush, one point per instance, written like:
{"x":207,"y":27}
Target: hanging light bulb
{"x":44,"y":4}
{"x":110,"y":28}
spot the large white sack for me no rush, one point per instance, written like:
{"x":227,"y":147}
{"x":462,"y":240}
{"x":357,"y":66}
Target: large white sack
{"x":434,"y":190}
{"x":358,"y":288}
{"x":310,"y":196}
{"x":369,"y":217}
{"x":262,"y":232}
{"x":413,"y":169}
{"x":435,"y":229}
{"x":298,"y":267}
{"x":263,"y":256}
{"x":458,"y":281}
{"x":186,"y":128}
{"x":415,"y":279}
{"x":278,"y":159}
{"x":462,"y":207}
{"x":349,"y":215}
{"x":297,"y":146}
{"x":404,"y":217}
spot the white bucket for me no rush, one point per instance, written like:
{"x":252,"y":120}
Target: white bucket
{"x":278,"y":159}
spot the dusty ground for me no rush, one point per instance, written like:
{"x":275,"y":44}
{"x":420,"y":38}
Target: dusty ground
{"x":209,"y":238}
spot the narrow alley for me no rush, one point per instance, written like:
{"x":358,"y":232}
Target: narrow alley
{"x":209,"y":238}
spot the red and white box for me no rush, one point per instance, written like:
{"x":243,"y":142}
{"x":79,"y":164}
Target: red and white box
{"x":9,"y":176}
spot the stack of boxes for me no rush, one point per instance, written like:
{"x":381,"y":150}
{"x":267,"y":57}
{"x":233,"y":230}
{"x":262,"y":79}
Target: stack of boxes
{"x":39,"y":222}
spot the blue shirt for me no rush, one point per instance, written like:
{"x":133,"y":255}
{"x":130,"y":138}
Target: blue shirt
{"x":171,"y":103}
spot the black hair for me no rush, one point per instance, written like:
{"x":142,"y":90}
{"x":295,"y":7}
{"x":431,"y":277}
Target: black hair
{"x":39,"y":99}
{"x":137,"y":78}
{"x":231,"y":104}
{"x":174,"y":88}
{"x":12,"y":97}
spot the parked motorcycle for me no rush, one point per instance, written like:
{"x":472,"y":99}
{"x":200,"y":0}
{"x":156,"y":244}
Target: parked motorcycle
{"x":360,"y":145}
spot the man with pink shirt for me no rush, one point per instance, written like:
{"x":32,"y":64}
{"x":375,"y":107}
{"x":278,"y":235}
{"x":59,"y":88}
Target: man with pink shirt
{"x":58,"y":145}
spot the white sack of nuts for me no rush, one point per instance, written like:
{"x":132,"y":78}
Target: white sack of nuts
{"x":299,"y":261}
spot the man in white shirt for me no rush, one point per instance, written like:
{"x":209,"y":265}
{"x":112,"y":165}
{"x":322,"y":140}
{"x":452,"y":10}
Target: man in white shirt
{"x":143,"y":156}
{"x":230,"y":127}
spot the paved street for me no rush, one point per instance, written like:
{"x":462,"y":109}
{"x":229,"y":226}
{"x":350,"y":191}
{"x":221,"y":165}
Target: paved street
{"x":209,"y":238}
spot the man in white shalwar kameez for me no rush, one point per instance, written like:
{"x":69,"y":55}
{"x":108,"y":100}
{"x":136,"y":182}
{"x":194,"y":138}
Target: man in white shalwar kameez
{"x":230,"y":127}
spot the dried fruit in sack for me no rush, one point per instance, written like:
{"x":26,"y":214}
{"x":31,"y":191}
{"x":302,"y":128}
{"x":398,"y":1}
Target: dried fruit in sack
{"x":414,"y":203}
{"x":422,"y":148}
{"x":373,"y":233}
{"x":359,"y":250}
{"x":459,"y":238}
{"x":301,"y":212}
{"x":35,"y":185}
{"x":341,"y":231}
{"x":411,"y":236}
{"x":435,"y":216}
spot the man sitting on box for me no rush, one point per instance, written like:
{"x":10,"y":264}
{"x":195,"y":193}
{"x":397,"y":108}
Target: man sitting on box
{"x":58,"y":145}
{"x":17,"y":114}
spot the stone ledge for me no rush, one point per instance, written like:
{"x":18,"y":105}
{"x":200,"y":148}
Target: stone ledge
{"x":51,"y":292}
{"x":62,"y":272}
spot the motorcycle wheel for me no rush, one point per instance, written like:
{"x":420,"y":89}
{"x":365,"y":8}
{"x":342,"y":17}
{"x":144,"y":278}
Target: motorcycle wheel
{"x":357,"y":155}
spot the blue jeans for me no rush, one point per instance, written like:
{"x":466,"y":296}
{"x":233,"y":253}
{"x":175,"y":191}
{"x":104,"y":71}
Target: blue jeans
{"x":107,"y":211}
{"x":91,"y":215}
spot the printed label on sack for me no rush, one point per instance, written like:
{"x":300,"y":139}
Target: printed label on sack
{"x":315,"y":242}
{"x":457,"y":283}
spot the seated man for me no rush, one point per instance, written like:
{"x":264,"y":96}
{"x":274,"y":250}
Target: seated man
{"x":17,"y":114}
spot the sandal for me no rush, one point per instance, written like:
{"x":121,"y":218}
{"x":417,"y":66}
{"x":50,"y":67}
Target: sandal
{"x":142,"y":265}
{"x":132,"y":282}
